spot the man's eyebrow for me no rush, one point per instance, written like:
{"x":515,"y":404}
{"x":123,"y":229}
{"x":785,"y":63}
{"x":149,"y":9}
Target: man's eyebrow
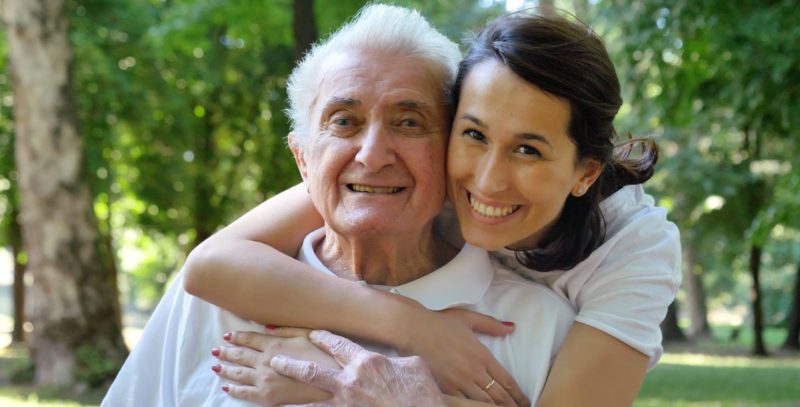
{"x":414,"y":104}
{"x":340,"y":101}
{"x":524,"y":136}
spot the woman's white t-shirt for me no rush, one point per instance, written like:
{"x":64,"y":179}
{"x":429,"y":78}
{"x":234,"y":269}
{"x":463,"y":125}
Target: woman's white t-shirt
{"x":625,"y":286}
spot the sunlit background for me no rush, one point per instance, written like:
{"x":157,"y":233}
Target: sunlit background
{"x":180,"y":108}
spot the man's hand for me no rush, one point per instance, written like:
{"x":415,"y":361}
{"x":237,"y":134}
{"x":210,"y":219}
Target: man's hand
{"x":366,"y":378}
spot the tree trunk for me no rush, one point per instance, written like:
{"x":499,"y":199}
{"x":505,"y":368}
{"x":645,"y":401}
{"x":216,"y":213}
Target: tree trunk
{"x":72,"y":303}
{"x":755,"y":296}
{"x":669,"y":327}
{"x":695,"y":296}
{"x":792,"y":341}
{"x":304,"y":27}
{"x":15,"y":238}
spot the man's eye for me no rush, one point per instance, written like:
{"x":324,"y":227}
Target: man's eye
{"x":529,"y":150}
{"x":342,"y":121}
{"x":409,"y":123}
{"x":475,"y":135}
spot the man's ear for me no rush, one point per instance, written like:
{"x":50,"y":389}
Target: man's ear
{"x":297,"y":151}
{"x":591,"y":171}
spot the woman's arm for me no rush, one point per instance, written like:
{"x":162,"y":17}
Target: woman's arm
{"x":592,"y":366}
{"x":245,"y":268}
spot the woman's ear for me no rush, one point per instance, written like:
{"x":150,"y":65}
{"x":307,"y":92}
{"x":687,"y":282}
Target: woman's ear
{"x":591,"y":171}
{"x":297,"y":151}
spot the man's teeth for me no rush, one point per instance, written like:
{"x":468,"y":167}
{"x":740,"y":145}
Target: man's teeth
{"x":492,"y":211}
{"x":374,"y":190}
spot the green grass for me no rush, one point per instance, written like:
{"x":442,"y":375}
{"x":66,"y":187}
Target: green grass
{"x":703,"y":380}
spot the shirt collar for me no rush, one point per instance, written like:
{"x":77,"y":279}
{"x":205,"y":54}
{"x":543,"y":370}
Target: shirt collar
{"x":462,"y":281}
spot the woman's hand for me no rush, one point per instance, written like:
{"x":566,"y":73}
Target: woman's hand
{"x":461,"y":364}
{"x":253,"y":378}
{"x":366,"y":378}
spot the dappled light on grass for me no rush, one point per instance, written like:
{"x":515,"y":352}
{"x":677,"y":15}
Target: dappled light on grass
{"x":699,"y":359}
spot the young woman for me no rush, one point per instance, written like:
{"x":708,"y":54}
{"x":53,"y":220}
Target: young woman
{"x":533,"y":174}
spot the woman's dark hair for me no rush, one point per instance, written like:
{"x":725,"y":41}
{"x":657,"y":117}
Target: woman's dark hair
{"x":566,"y":59}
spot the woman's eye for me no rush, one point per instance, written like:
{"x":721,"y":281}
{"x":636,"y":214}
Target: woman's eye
{"x":475,"y":135}
{"x":529,"y":150}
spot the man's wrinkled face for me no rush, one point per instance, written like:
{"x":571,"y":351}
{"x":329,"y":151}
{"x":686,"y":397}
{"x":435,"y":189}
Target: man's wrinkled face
{"x":374,"y":160}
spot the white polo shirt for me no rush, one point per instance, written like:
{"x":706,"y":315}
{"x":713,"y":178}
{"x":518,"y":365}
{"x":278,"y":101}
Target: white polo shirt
{"x":625,"y":286}
{"x":171,"y":363}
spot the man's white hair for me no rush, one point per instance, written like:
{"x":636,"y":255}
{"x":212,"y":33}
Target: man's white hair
{"x":388,"y":29}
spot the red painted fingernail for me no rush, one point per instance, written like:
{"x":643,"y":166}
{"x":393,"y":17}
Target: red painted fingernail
{"x":227,"y":336}
{"x":270,"y":327}
{"x":225,"y":388}
{"x":216,"y":368}
{"x":508,"y":323}
{"x":215,"y":351}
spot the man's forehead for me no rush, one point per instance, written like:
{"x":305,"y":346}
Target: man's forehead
{"x":349,"y":77}
{"x":398,"y":102}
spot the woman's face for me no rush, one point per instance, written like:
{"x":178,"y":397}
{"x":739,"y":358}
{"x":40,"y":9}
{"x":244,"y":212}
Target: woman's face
{"x":511,"y":163}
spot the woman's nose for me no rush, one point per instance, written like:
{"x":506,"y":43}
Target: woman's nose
{"x":491,"y":174}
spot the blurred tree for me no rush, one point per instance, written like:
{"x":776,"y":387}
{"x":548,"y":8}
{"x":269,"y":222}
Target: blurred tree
{"x":718,"y":81}
{"x":73,"y":302}
{"x":10,"y":230}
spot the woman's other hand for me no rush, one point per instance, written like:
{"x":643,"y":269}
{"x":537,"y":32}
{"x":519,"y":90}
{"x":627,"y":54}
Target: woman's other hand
{"x":366,"y":378}
{"x":248,"y":366}
{"x":461,"y":364}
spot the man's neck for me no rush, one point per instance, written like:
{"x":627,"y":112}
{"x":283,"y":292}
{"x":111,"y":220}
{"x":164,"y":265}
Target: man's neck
{"x":383,"y":260}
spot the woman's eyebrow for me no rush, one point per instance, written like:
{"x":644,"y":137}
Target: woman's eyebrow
{"x":522,"y":136}
{"x":533,"y":136}
{"x":477,"y":121}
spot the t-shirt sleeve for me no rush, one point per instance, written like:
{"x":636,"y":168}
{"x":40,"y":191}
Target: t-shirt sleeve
{"x":635,"y":281}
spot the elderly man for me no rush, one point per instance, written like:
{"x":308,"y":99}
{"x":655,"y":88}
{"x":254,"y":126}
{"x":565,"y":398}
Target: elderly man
{"x":369,"y":141}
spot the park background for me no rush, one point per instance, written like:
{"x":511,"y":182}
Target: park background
{"x":176,"y":107}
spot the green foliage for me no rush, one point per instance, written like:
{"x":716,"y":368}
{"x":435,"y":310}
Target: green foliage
{"x":715,"y":81}
{"x":21,"y":371}
{"x":93,"y":367}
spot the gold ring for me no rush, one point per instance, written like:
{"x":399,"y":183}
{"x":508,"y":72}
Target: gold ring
{"x":489,"y":385}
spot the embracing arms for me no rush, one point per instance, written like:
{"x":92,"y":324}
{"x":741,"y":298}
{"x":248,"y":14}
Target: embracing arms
{"x":246,"y":268}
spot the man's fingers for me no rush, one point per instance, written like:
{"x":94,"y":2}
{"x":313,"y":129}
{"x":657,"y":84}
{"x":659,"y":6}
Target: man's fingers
{"x":307,"y":372}
{"x":504,"y":380}
{"x":341,"y":348}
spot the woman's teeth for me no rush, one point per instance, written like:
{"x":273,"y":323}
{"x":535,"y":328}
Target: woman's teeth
{"x":492,"y":211}
{"x":373,"y":190}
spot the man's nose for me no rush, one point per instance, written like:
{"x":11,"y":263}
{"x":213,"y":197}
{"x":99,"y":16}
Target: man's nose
{"x":377,"y":149}
{"x":491,"y":174}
